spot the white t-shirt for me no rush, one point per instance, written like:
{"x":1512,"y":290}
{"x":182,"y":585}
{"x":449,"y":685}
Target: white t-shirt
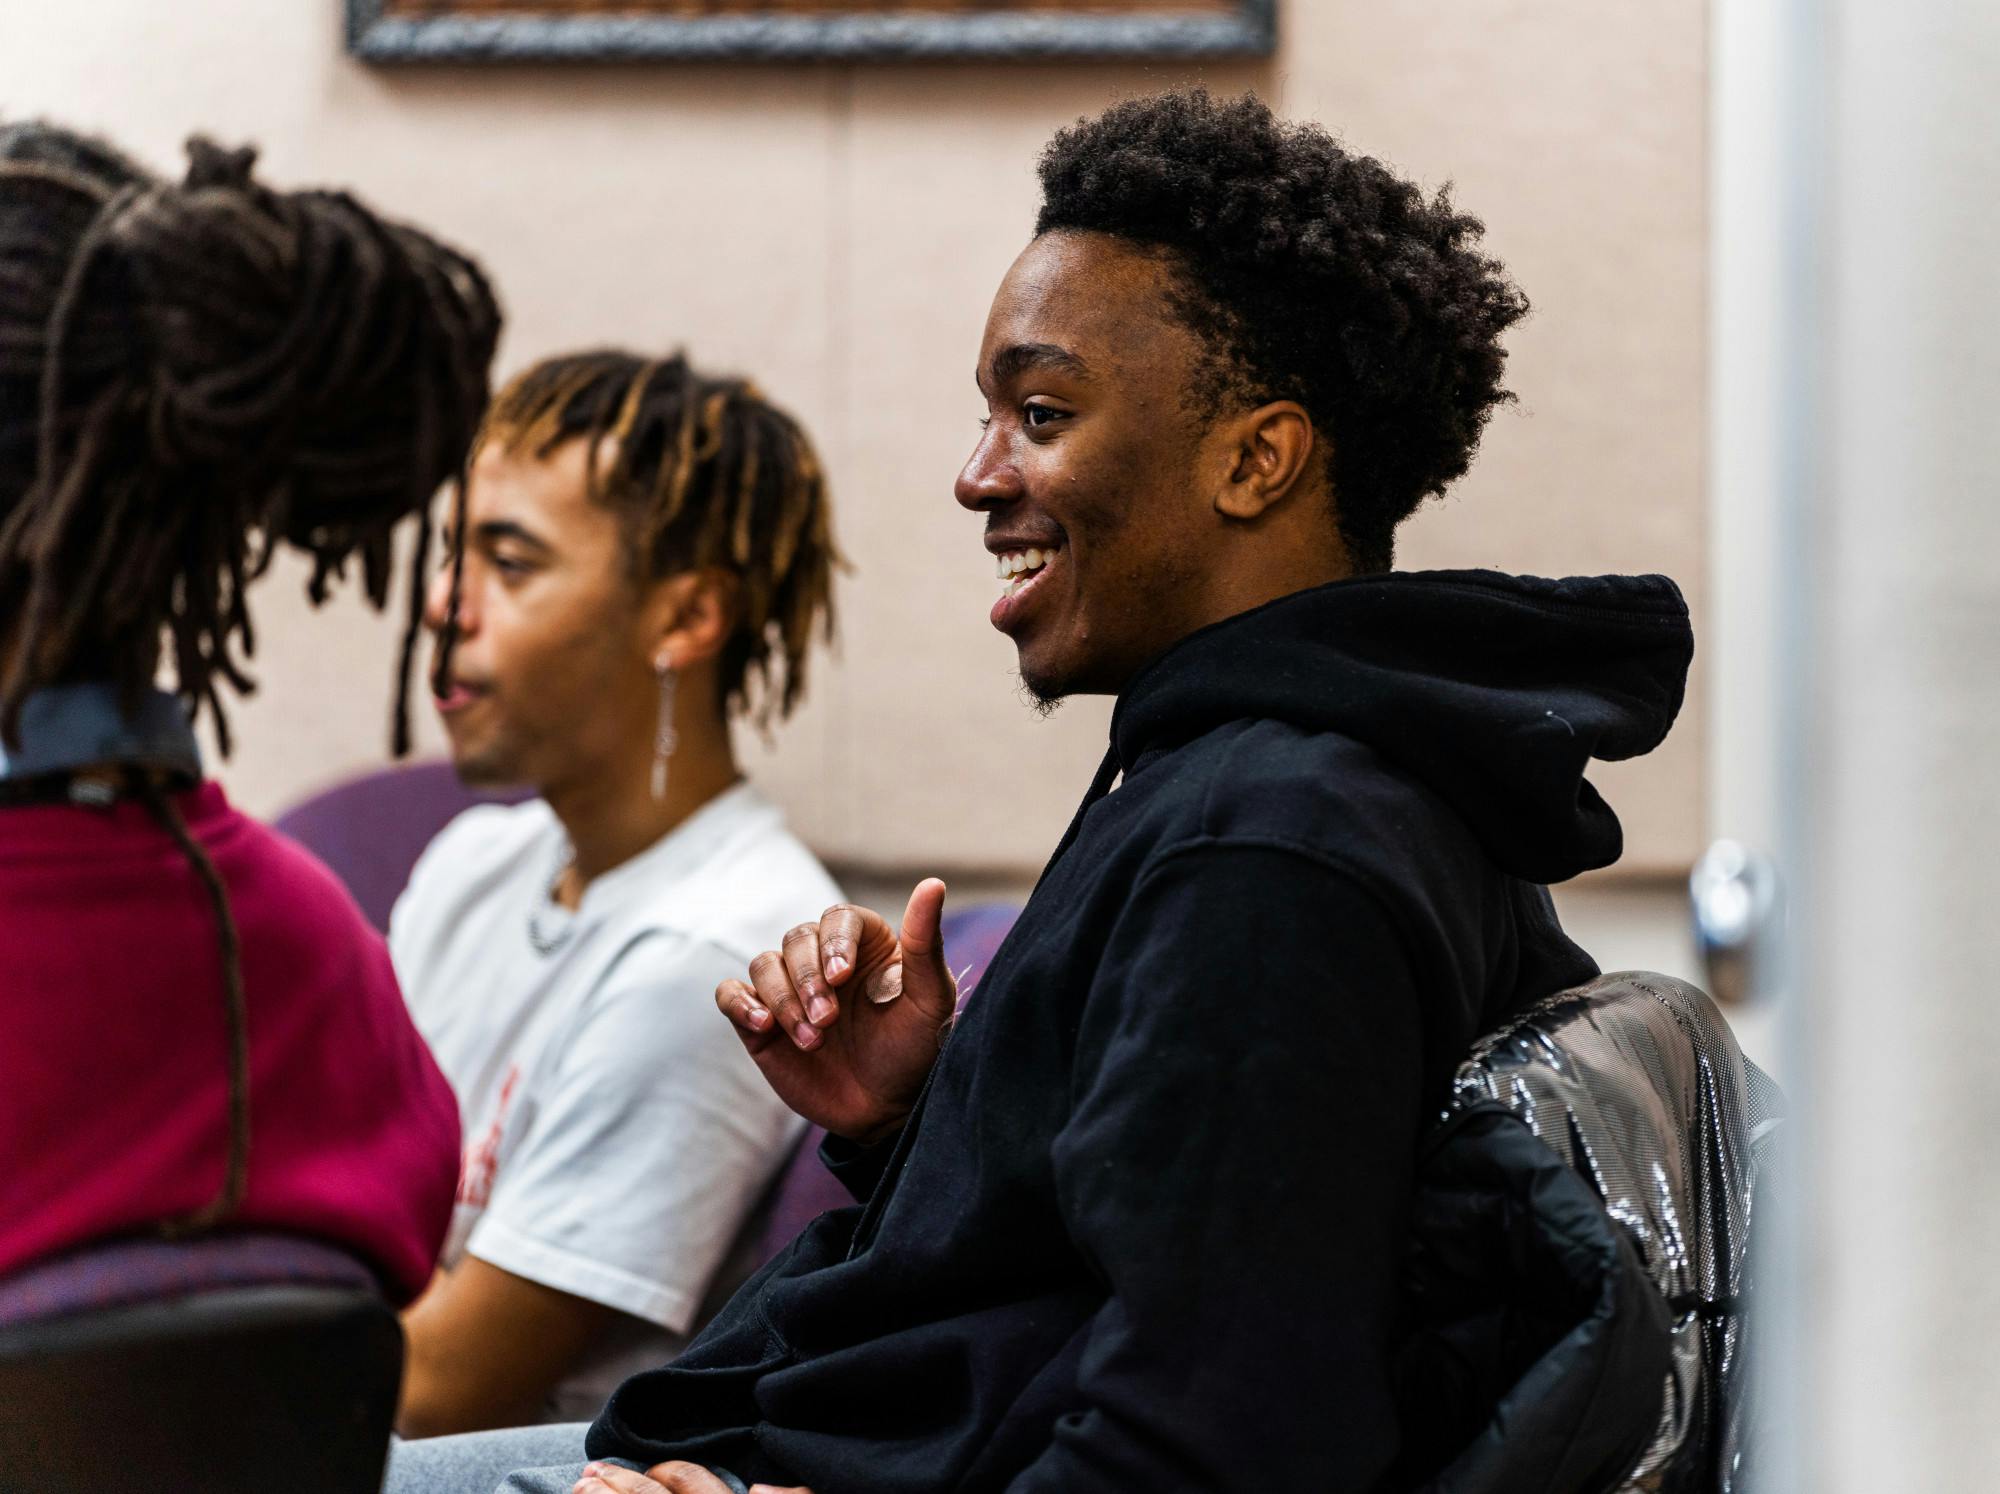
{"x":616,"y":1134}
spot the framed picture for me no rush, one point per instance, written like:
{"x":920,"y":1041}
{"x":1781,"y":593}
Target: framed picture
{"x":797,"y":30}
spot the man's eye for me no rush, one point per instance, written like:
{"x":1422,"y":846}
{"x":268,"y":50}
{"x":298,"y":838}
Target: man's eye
{"x":1035,"y":416}
{"x":506,"y":565}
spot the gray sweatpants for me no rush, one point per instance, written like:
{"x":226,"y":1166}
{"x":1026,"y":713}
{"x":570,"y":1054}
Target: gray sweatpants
{"x":518,"y":1460}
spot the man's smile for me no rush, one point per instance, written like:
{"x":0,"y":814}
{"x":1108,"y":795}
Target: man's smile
{"x":1021,"y":567}
{"x":1024,"y":568}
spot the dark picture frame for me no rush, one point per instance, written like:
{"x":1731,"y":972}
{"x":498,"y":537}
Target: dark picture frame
{"x":417,"y":31}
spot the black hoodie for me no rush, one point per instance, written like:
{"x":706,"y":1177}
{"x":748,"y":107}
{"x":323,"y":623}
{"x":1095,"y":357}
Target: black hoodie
{"x":1144,"y":1229}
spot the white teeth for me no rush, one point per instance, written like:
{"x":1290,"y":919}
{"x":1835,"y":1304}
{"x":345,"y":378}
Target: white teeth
{"x":1017,"y":561}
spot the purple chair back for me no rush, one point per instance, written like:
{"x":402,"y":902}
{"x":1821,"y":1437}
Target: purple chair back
{"x":120,"y":1273}
{"x":370,"y":830}
{"x":805,"y":1189}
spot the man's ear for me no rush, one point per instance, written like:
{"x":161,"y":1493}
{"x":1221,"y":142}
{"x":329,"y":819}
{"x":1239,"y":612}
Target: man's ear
{"x":1270,"y":451}
{"x":690,"y":617}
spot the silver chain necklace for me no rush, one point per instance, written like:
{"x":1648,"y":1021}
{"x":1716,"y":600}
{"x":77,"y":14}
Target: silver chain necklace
{"x":545,"y":935}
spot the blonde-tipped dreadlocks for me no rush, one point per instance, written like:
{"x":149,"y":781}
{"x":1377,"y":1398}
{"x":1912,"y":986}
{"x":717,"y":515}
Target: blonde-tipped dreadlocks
{"x":704,"y":472}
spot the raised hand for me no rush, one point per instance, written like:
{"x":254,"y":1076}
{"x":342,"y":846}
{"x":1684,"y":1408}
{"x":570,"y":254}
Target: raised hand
{"x":845,"y":1021}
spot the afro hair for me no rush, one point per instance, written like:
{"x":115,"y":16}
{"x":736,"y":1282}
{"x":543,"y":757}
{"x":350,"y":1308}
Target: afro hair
{"x":1311,"y":274}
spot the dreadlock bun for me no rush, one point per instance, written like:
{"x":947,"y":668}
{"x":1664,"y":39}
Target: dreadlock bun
{"x":218,"y":367}
{"x":288,"y":344}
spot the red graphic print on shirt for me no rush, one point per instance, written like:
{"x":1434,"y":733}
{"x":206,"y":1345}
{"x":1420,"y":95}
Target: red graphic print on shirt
{"x":475,"y":1177}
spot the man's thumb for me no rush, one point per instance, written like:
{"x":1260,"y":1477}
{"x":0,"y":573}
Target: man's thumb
{"x":925,"y":975}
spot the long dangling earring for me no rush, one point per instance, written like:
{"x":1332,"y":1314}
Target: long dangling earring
{"x":664,"y":740}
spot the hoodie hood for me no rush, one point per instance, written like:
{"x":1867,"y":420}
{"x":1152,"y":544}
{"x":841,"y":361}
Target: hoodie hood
{"x":1495,"y":691}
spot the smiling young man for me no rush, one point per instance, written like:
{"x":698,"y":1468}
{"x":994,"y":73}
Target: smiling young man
{"x":1135,"y":1218}
{"x":642,"y":548}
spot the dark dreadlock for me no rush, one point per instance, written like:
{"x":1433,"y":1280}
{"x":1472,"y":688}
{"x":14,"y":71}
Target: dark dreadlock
{"x":190,"y":374}
{"x":704,"y":472}
{"x":198,"y":372}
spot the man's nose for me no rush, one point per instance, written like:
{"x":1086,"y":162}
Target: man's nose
{"x":989,"y":476}
{"x":437,"y":602}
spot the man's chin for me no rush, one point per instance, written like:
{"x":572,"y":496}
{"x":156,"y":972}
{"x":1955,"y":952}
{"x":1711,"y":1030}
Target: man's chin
{"x":1042,"y":689}
{"x":1049,"y":676}
{"x":484,"y":771}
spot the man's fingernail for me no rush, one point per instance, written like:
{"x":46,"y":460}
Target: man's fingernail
{"x":836,"y":966}
{"x":820,"y":1010}
{"x":805,"y":1035}
{"x":759,"y":1018}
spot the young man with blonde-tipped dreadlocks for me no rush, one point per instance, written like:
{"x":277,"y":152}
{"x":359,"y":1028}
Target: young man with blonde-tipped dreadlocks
{"x":201,"y":1030}
{"x":643,"y":553}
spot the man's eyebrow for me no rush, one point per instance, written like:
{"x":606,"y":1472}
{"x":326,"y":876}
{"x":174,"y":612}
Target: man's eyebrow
{"x":1013,"y":361}
{"x":490,"y":531}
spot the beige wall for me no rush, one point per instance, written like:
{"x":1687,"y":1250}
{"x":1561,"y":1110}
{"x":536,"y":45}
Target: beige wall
{"x":838,"y":232}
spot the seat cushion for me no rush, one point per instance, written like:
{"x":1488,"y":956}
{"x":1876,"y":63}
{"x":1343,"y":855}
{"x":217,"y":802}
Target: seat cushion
{"x":119,"y":1273}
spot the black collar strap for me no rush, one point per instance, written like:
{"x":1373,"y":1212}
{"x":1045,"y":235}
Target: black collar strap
{"x":71,"y":727}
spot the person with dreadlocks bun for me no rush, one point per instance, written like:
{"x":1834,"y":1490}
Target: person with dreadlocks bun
{"x":643,"y":554}
{"x":202,"y":1030}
